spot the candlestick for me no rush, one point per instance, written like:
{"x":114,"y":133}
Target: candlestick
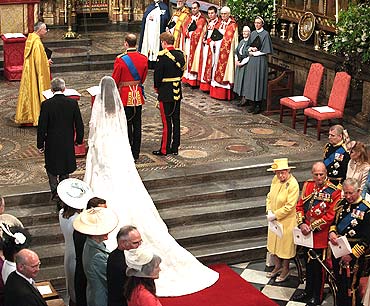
{"x":336,"y":11}
{"x":65,"y":11}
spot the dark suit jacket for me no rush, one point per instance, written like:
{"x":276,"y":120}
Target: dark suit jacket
{"x":19,"y":292}
{"x":116,"y":278}
{"x":59,"y":118}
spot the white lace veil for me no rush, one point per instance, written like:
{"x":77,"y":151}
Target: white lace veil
{"x":107,"y":108}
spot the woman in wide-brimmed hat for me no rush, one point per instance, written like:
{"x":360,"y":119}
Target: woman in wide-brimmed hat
{"x":142,"y":269}
{"x":280,"y":207}
{"x":97,"y":223}
{"x":74,"y":195}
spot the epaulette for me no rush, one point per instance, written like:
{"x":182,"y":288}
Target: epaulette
{"x":331,"y":185}
{"x":122,"y":54}
{"x":366,"y":203}
{"x":162,"y":52}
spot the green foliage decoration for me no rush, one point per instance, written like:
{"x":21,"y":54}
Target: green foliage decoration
{"x":246,"y":10}
{"x":352,"y":41}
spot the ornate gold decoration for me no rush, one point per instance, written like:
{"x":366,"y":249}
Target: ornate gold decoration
{"x":306,"y":26}
{"x":283,"y":30}
{"x":291,"y":32}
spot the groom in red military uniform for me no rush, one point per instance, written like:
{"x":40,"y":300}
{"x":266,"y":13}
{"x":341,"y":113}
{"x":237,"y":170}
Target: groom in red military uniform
{"x":130,"y":71}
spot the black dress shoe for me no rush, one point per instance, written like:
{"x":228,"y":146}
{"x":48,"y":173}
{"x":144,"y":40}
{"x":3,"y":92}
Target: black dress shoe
{"x":257,"y":110}
{"x":159,"y":152}
{"x":302,"y":297}
{"x":251,"y":109}
{"x":242,"y":103}
{"x":175,"y":152}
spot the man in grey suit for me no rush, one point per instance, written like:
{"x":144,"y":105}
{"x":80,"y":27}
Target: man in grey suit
{"x":59,"y":120}
{"x":19,"y":288}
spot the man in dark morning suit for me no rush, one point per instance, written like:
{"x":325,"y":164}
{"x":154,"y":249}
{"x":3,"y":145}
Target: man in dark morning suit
{"x":336,"y":155}
{"x":167,"y":81}
{"x":128,"y":238}
{"x":129,"y":73}
{"x":59,"y":120}
{"x":19,"y":287}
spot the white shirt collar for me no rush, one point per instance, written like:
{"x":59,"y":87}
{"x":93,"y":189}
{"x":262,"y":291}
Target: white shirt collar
{"x":260,"y":30}
{"x":30,"y":280}
{"x":58,"y":93}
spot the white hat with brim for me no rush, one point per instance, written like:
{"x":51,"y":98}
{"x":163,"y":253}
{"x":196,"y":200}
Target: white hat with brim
{"x":96,"y":221}
{"x":74,"y":193}
{"x":280,"y":164}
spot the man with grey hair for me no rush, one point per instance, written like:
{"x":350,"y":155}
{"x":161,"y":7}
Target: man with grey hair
{"x":128,"y":238}
{"x":19,"y":288}
{"x":336,"y":155}
{"x":35,"y":78}
{"x":352,"y":220}
{"x":60,"y":119}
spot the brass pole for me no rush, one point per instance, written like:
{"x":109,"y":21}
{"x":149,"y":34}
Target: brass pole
{"x":70,"y":34}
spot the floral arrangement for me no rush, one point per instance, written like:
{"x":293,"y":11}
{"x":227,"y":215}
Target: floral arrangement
{"x":353,"y":38}
{"x":246,"y":11}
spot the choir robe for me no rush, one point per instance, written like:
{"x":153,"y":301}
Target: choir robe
{"x":224,"y":68}
{"x":194,"y":49}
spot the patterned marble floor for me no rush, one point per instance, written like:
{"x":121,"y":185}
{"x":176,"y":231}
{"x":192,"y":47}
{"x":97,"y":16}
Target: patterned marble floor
{"x":212,"y":131}
{"x":281,"y":293}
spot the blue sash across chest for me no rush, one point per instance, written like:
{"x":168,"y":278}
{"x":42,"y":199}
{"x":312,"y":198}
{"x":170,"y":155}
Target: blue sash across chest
{"x":318,"y":197}
{"x":330,"y":159}
{"x":131,"y":67}
{"x":346,"y":221}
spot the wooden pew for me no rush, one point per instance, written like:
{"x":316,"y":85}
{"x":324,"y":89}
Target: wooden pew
{"x":281,"y":83}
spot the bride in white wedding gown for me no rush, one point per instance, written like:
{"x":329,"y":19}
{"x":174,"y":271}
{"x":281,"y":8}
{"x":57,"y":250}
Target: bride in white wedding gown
{"x":112,"y":175}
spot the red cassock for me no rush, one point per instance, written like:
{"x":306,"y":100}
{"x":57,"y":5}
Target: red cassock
{"x":316,"y":209}
{"x":194,"y":49}
{"x":208,"y":60}
{"x":130,"y":91}
{"x":224,"y":61}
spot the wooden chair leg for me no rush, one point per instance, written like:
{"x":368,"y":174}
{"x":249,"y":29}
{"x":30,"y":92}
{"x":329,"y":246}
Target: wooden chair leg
{"x":281,"y":112}
{"x":318,"y":129}
{"x":305,"y":125}
{"x":294,"y":117}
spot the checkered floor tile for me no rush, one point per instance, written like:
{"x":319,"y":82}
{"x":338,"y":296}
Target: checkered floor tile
{"x":282,"y":293}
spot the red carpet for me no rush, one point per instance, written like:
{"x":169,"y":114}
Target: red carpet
{"x":229,"y":290}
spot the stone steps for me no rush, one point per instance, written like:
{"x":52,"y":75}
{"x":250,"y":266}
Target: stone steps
{"x":218,"y":215}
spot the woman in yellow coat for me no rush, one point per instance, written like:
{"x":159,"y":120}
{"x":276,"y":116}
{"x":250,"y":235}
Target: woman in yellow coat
{"x":280,"y":206}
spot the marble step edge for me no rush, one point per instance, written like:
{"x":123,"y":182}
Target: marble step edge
{"x":160,"y":178}
{"x":256,"y":186}
{"x":256,"y":167}
{"x":217,"y":230}
{"x":218,"y":206}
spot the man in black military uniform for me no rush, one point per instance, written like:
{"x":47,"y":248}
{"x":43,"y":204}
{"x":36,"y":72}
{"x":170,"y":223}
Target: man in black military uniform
{"x":352,"y":220}
{"x":167,"y":81}
{"x":336,"y":155}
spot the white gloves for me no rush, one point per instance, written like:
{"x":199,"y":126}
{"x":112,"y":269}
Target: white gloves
{"x":270,"y":216}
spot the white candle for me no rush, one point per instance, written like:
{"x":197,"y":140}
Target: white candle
{"x":274,"y":5}
{"x":336,"y":11}
{"x":65,"y":11}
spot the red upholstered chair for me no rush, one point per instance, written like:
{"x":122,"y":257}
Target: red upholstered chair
{"x":311,"y":92}
{"x":337,"y":101}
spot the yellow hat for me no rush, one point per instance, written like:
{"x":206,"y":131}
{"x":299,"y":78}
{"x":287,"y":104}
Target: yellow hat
{"x":280,"y":164}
